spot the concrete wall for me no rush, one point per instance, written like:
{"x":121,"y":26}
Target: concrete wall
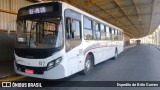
{"x":153,"y":38}
{"x":6,"y":47}
{"x":8,"y":10}
{"x":126,"y":40}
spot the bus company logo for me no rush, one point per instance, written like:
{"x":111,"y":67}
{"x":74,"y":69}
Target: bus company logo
{"x":6,"y":84}
{"x":18,"y":84}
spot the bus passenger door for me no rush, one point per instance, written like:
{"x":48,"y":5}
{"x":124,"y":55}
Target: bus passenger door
{"x":73,"y":41}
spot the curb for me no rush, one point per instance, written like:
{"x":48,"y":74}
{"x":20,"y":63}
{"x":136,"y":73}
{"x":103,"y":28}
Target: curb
{"x":129,"y":46}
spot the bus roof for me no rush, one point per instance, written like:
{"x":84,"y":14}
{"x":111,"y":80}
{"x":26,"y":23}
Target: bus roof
{"x":78,"y":10}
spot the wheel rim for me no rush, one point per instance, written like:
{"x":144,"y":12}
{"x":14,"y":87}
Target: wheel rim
{"x":88,"y":65}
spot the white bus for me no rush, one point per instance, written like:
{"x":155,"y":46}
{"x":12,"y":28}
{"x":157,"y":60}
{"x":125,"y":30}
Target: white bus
{"x":55,"y":40}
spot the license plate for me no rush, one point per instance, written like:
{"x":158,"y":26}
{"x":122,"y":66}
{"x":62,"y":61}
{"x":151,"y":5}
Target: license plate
{"x":29,"y":71}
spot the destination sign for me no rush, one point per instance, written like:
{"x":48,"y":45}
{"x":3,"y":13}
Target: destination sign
{"x":40,"y":9}
{"x":37,"y":10}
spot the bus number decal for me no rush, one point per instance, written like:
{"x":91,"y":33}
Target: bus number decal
{"x":41,"y":63}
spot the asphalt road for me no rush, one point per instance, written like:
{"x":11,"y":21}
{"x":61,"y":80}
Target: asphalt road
{"x":139,"y":63}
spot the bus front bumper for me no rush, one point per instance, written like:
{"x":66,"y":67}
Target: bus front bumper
{"x":57,"y":72}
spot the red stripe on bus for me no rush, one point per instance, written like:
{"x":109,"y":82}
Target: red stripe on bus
{"x":94,"y":48}
{"x":98,"y":47}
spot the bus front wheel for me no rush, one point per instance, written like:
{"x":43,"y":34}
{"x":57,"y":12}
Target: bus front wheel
{"x":88,"y":65}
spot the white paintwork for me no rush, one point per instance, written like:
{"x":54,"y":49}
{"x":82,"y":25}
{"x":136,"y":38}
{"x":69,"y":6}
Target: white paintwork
{"x":73,"y":61}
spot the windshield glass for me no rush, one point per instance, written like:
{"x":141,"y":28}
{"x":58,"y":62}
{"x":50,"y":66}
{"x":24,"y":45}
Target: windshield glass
{"x":39,"y":33}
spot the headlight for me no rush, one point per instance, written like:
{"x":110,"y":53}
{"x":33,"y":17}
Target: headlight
{"x":54,"y":63}
{"x":21,"y":39}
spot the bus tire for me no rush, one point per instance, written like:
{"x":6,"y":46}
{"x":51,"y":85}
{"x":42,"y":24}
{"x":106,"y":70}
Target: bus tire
{"x":115,"y":54}
{"x":88,"y":65}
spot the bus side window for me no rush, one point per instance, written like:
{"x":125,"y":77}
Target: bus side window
{"x":107,"y":33}
{"x":113,"y":34}
{"x":68,"y":28}
{"x":76,"y":30}
{"x":72,"y":29}
{"x":110,"y":32}
{"x":72,"y":33}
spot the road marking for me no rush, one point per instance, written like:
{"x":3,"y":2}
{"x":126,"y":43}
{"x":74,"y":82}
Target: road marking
{"x":13,"y":77}
{"x":157,"y":47}
{"x":6,"y":75}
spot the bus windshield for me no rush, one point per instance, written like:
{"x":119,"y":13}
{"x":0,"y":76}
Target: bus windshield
{"x":39,"y":33}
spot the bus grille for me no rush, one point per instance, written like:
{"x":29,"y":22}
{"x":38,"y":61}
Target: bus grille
{"x":37,"y":70}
